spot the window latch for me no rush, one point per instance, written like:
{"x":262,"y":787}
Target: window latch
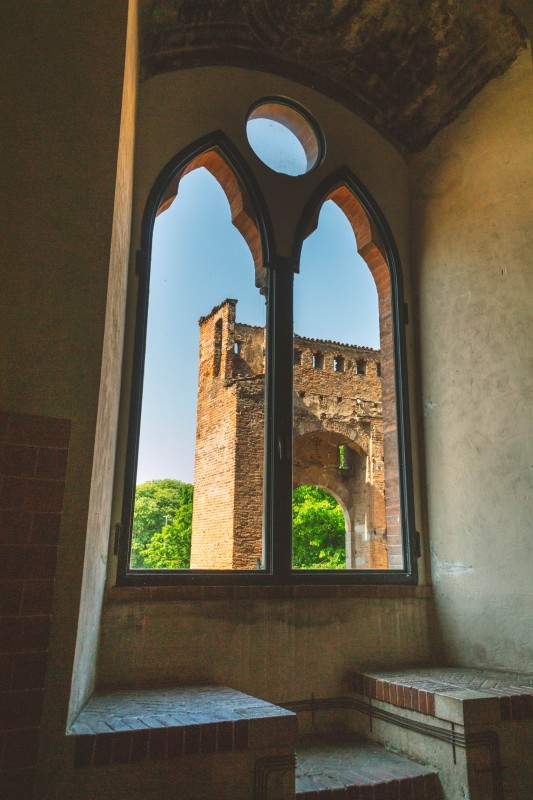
{"x":284,"y":447}
{"x":118,"y":532}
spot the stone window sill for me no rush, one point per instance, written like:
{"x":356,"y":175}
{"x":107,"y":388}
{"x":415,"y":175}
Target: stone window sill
{"x":162,"y":594}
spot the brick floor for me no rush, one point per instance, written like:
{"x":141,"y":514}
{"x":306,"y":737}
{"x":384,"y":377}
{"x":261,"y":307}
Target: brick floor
{"x":349,"y":767}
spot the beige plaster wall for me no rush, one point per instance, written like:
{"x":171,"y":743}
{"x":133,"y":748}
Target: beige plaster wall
{"x":177,"y":108}
{"x":100,"y":500}
{"x":472,"y":244}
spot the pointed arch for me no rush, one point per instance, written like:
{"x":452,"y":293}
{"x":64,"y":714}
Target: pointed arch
{"x":376,"y":246}
{"x":249,"y":215}
{"x":248,"y":209}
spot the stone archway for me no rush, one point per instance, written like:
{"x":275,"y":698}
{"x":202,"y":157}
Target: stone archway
{"x":317,"y":461}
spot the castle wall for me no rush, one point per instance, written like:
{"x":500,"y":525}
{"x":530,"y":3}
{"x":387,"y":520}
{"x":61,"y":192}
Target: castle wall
{"x":214,"y":464}
{"x":249,"y":452}
{"x":335,"y":405}
{"x":337,"y":402}
{"x":248,"y":367}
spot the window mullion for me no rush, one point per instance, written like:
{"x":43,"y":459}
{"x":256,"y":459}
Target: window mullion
{"x":280,"y":393}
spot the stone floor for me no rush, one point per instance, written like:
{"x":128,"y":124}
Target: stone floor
{"x":352,"y":768}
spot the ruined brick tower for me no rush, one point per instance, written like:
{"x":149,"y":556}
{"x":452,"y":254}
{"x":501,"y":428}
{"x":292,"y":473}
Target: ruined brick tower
{"x":337,"y":443}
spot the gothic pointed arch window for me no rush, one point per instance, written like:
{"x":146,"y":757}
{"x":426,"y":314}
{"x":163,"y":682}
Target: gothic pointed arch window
{"x":281,"y":401}
{"x":357,"y":308}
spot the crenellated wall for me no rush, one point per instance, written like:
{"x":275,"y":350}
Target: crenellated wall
{"x":337,"y":403}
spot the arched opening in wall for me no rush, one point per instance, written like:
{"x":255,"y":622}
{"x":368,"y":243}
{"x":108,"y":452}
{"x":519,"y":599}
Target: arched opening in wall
{"x":246,"y":383}
{"x":201,"y":423}
{"x":343,"y":305}
{"x":319,"y":525}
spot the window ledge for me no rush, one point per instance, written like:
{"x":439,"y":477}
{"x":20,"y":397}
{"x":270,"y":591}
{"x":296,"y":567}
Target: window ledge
{"x":163,"y":594}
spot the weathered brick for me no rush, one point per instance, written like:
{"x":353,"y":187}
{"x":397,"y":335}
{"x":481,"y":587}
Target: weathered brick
{"x":334,"y":405}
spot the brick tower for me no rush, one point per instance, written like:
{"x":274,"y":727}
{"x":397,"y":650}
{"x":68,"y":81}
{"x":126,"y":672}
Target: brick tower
{"x":337,"y":443}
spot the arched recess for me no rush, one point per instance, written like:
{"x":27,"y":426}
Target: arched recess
{"x":375,"y":244}
{"x":248,"y":214}
{"x":347,"y":523}
{"x":357,"y":484}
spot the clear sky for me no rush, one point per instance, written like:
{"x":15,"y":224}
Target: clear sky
{"x":198,"y":260}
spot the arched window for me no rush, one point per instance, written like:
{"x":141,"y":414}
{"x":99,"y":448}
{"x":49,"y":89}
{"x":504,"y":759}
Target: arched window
{"x":260,"y":429}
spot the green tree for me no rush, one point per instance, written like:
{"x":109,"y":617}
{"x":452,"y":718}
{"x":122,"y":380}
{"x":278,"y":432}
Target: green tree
{"x":161,"y":505}
{"x":318,"y":530}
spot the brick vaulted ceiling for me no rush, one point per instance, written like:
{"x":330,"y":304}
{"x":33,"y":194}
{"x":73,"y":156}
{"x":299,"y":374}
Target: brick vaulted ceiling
{"x":406,"y":66}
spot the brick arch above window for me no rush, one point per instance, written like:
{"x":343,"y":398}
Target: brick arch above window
{"x":217,"y":155}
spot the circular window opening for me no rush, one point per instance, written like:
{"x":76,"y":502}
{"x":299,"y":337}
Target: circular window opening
{"x":284,"y":138}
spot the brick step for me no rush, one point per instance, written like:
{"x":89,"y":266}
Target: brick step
{"x":352,"y":768}
{"x":451,"y":693}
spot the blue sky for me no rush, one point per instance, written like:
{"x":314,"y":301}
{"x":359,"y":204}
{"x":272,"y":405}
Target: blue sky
{"x":198,"y":259}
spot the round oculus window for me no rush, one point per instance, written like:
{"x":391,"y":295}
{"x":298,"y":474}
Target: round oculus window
{"x":284,"y":137}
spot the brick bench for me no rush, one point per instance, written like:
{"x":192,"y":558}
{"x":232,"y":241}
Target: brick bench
{"x":450,"y":693}
{"x":474,"y":726}
{"x":348,"y":767}
{"x":232,"y":737}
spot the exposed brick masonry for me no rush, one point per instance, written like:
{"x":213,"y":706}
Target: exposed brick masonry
{"x":163,"y":724}
{"x":33,"y":462}
{"x":338,"y":393}
{"x":415,"y":689}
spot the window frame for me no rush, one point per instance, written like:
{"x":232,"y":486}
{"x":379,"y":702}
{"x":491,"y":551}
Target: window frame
{"x":278,"y":273}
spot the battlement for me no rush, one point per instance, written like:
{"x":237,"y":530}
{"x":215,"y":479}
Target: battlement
{"x":243,"y":347}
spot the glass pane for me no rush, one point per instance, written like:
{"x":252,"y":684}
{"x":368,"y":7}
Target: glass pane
{"x":276,"y":146}
{"x":284,"y":138}
{"x":198,"y":500}
{"x":339,"y":458}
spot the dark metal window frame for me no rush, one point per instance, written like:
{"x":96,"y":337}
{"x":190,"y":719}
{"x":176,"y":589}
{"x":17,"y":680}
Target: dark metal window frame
{"x":277,"y":547}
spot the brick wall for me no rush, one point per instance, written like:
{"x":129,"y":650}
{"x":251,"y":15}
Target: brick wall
{"x":333,"y":406}
{"x":249,"y":449}
{"x":33,"y":461}
{"x":343,"y":407}
{"x":214,"y":461}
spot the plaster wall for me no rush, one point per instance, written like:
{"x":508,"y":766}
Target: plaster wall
{"x":472,"y":239}
{"x":100,"y":500}
{"x":278,"y":647}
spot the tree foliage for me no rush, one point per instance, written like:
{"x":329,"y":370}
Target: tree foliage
{"x":162,"y":525}
{"x":318,"y":530}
